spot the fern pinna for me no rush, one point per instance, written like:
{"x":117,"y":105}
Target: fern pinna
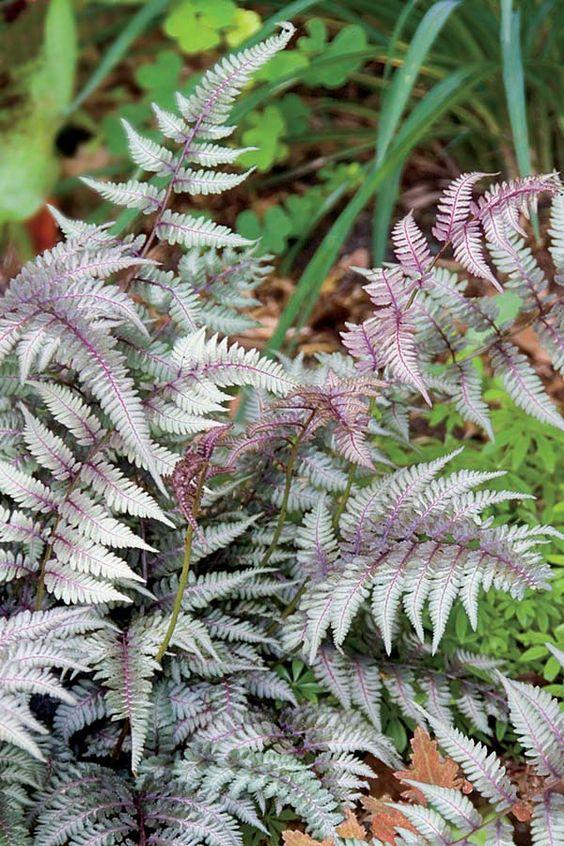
{"x":160,"y":564}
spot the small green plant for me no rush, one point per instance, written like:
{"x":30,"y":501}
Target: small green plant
{"x":198,"y":25}
{"x":519,"y":634}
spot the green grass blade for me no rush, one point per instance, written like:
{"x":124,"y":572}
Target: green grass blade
{"x":385,"y":203}
{"x":133,"y":29}
{"x":514,"y":82}
{"x":450,"y":90}
{"x":397,"y":34}
{"x":404,"y":79}
{"x":393,"y":107}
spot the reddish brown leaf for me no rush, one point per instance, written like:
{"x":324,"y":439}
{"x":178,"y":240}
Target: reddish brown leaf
{"x":523,"y":811}
{"x":298,"y":838}
{"x":384,"y":820}
{"x":351,"y":827}
{"x":428,"y":766}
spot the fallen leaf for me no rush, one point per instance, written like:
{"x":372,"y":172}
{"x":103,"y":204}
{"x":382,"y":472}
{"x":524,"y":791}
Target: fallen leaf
{"x":522,"y":810}
{"x":428,"y":766}
{"x":384,"y":820}
{"x":298,"y":838}
{"x":351,"y":827}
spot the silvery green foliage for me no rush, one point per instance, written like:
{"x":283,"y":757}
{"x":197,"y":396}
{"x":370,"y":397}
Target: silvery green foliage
{"x":113,"y":367}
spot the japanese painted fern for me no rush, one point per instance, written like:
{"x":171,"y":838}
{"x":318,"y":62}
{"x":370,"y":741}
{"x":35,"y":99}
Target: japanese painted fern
{"x":160,"y":564}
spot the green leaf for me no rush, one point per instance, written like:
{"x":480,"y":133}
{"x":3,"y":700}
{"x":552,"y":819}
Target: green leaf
{"x":534,"y":653}
{"x":551,"y":669}
{"x":273,"y":231}
{"x":546,"y":453}
{"x":350,"y":39}
{"x":519,"y":449}
{"x":198,"y":25}
{"x":244,"y":24}
{"x":267,"y":128}
{"x":282,"y":65}
{"x":314,"y":42}
{"x":393,"y":106}
{"x":60,"y":52}
{"x":296,"y":113}
{"x":500,"y":730}
{"x":160,"y":76}
{"x":405,"y":78}
{"x":396,"y":731}
{"x":461,"y":624}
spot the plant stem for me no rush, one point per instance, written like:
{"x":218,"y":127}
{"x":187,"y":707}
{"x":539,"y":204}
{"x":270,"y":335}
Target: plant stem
{"x":177,"y":607}
{"x":46,"y":557}
{"x":509,"y":333}
{"x":120,"y":741}
{"x":290,"y":607}
{"x":286,"y":496}
{"x":345,"y":497}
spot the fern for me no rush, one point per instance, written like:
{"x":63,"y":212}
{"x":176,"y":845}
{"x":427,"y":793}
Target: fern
{"x":444,"y":814}
{"x":207,"y":618}
{"x":416,"y":300}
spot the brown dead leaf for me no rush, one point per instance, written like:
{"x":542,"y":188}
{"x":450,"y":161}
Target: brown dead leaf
{"x":522,"y":810}
{"x":428,"y":766}
{"x":384,"y":820}
{"x":351,"y":827}
{"x":298,"y":838}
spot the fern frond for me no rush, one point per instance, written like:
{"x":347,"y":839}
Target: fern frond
{"x":469,"y":400}
{"x":191,"y":232}
{"x":316,"y":542}
{"x":557,"y":235}
{"x":469,"y":252}
{"x":126,"y":669}
{"x":70,"y":411}
{"x":147,"y":154}
{"x":119,"y":493}
{"x":539,"y":724}
{"x":210,"y":104}
{"x":411,"y":248}
{"x":523,"y":385}
{"x":547,"y":826}
{"x":454,"y":206}
{"x":226,"y":365}
{"x":484,"y":770}
{"x":133,"y":194}
{"x":203,"y":182}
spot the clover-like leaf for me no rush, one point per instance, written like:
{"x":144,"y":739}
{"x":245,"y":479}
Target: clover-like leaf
{"x":245,"y":23}
{"x":267,"y":129}
{"x":197,"y":25}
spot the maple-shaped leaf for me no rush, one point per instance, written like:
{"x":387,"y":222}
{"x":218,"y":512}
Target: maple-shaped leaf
{"x":429,"y":767}
{"x":291,"y":837}
{"x":384,"y":820}
{"x":351,"y":828}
